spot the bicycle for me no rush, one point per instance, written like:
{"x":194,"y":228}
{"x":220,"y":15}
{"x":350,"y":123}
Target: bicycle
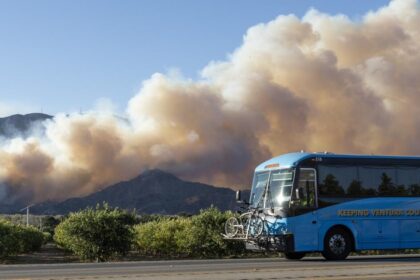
{"x":248,"y":224}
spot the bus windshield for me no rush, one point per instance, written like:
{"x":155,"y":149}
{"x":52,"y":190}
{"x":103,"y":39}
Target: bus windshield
{"x":279,"y":188}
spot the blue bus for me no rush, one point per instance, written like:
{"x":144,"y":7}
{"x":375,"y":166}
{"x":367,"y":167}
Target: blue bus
{"x":331,"y":203}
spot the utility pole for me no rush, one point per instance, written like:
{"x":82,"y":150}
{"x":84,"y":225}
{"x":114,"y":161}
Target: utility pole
{"x":27,"y":213}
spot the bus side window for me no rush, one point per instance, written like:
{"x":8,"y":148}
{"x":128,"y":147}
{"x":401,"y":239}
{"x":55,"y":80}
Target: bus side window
{"x":306,"y":185}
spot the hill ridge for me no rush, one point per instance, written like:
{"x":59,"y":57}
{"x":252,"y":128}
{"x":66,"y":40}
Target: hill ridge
{"x":153,"y":191}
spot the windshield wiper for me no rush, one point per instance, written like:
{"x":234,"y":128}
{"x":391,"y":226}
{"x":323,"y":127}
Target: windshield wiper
{"x":266,"y":194}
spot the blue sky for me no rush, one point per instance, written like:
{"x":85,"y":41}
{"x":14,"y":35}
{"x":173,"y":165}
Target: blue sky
{"x":61,"y":56}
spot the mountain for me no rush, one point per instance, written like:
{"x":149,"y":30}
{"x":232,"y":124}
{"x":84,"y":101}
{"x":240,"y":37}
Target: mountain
{"x":152,"y":192}
{"x":21,"y":125}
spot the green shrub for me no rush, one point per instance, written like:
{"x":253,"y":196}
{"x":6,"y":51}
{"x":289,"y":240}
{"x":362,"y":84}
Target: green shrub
{"x":160,"y":238}
{"x":30,"y":238}
{"x":96,"y":234}
{"x":198,"y":235}
{"x":48,"y":237}
{"x":17,"y":239}
{"x":204,"y":237}
{"x":9,"y":242}
{"x":49,"y":223}
{"x":145,"y":218}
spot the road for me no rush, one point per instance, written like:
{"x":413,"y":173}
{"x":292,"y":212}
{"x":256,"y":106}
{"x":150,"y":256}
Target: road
{"x":383,"y":267}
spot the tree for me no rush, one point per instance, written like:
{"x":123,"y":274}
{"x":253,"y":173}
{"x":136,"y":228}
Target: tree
{"x":50,"y":223}
{"x":199,"y":236}
{"x":387,"y":186}
{"x":203,"y":238}
{"x":331,"y":186}
{"x":356,"y":188}
{"x":162,"y":237}
{"x":17,"y":239}
{"x":96,"y":234}
{"x":9,"y":242}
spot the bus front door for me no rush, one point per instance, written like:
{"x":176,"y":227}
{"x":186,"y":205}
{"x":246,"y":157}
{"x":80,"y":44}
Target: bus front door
{"x":304,"y":210}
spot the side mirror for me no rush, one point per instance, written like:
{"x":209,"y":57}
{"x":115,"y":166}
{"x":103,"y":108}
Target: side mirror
{"x":238,"y":196}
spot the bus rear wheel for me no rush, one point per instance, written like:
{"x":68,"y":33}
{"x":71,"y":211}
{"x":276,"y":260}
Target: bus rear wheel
{"x":337,"y":244}
{"x":294,"y":255}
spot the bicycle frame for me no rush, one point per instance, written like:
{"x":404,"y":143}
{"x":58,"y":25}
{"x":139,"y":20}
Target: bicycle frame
{"x":258,"y":229}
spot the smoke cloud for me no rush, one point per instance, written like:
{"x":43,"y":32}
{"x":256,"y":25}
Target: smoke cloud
{"x":317,"y":83}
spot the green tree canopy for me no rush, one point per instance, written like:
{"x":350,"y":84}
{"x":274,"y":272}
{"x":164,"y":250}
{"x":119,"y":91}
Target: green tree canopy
{"x":96,"y":234}
{"x":199,"y":235}
{"x":17,"y":239}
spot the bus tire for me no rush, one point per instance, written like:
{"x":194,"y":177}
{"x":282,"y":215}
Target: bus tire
{"x":294,"y":255}
{"x":337,"y":244}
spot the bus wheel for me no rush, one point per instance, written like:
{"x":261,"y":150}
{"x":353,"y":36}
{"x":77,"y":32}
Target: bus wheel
{"x":294,"y":255}
{"x":337,"y":244}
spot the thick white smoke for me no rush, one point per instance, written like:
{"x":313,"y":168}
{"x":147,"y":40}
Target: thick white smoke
{"x":318,"y":83}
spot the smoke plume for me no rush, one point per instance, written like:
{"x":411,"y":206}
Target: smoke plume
{"x":317,"y":83}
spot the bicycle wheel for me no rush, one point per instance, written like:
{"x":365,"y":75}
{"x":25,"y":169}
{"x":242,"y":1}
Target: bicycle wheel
{"x":257,"y":225}
{"x":245,"y":222}
{"x":231,"y":227}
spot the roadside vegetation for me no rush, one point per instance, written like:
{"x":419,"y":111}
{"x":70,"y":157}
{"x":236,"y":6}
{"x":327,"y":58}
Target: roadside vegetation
{"x":97,"y":234}
{"x":104,"y":233}
{"x":18,"y":239}
{"x":196,"y":236}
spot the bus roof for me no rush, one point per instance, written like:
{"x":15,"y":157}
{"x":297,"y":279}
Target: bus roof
{"x":292,"y":159}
